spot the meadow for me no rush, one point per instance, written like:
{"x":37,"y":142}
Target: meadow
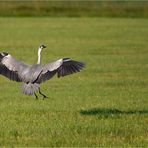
{"x":104,"y":105}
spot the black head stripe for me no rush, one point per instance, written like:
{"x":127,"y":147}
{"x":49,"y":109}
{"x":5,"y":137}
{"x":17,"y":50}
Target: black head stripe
{"x":5,"y":54}
{"x":2,"y":55}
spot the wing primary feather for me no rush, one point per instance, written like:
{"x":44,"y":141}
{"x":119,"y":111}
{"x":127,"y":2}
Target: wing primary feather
{"x":64,"y":69}
{"x":76,"y":67}
{"x":70,"y":70}
{"x":81,"y":64}
{"x":73,"y":68}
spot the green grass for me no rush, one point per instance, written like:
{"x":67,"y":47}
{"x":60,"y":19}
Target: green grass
{"x":104,"y":105}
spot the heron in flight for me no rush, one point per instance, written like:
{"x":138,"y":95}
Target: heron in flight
{"x":33,"y":75}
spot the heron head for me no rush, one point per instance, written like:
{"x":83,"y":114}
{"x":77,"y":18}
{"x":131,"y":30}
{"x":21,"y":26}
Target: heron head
{"x":42,"y":46}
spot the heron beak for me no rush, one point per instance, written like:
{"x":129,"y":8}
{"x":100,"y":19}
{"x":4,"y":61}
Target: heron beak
{"x":44,"y":46}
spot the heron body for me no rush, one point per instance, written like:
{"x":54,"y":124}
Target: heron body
{"x":33,"y":75}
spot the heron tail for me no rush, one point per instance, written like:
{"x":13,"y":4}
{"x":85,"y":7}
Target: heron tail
{"x":30,"y":89}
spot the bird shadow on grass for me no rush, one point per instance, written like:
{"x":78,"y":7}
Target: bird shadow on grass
{"x":106,"y":113}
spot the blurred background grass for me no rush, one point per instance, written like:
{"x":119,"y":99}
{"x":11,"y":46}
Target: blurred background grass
{"x":77,"y":8}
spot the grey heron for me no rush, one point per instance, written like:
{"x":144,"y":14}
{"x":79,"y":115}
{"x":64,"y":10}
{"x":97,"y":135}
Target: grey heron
{"x":33,"y":75}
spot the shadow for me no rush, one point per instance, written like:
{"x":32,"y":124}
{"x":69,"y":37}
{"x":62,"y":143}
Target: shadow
{"x":110,"y":112}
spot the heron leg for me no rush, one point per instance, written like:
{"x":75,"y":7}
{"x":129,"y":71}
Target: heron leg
{"x":44,"y":96}
{"x":36,"y":95}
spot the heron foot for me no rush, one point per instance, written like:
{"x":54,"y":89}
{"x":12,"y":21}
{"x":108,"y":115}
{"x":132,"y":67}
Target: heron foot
{"x":44,"y":96}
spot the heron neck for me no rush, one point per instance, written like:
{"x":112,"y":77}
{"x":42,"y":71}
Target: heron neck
{"x":39,"y":56}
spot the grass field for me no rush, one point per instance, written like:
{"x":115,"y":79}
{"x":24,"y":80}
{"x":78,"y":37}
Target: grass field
{"x":105,"y":105}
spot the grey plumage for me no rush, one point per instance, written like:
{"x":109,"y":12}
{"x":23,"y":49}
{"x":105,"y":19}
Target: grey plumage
{"x":33,"y":75}
{"x":30,"y":89}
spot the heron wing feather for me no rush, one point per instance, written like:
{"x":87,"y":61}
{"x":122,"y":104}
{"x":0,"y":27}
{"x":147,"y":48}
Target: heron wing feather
{"x":69,"y":67}
{"x":62,"y":67}
{"x":49,"y":70}
{"x":11,"y":68}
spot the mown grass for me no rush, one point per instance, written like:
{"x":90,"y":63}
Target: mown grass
{"x":104,"y":105}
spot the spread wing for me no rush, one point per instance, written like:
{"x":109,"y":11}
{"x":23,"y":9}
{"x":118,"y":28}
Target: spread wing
{"x":62,"y":67}
{"x":11,"y":68}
